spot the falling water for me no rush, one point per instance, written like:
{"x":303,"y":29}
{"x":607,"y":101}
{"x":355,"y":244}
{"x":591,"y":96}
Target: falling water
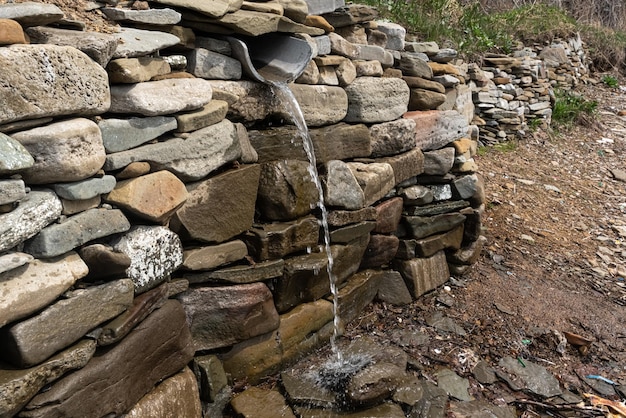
{"x":285,"y":95}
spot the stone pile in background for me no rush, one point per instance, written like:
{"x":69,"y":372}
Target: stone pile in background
{"x":160,"y":237}
{"x":515,"y":93}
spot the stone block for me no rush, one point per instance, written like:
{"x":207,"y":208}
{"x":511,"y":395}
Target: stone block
{"x":223,"y":316}
{"x":278,"y":239}
{"x":375,"y":179}
{"x":392,"y":138}
{"x":388,"y":214}
{"x":405,"y":166}
{"x":136,"y":70}
{"x":380,"y":250}
{"x":33,"y":340}
{"x":66,"y":82}
{"x":341,"y":187}
{"x":375,"y":99}
{"x":209,"y":257}
{"x":116,"y":379}
{"x":212,"y":113}
{"x":392,"y":288}
{"x":435,"y":129}
{"x":11,"y":191}
{"x":424,"y":274}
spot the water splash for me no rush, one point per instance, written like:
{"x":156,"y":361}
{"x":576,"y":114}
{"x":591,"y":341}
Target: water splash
{"x":287,"y":98}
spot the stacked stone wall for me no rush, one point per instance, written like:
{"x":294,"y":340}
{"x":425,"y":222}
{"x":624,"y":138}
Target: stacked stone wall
{"x":159,"y":231}
{"x":516,"y":92}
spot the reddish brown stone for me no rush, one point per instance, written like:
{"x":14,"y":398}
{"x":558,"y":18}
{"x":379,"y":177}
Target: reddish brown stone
{"x":11,"y":32}
{"x":388,"y":214}
{"x":381,"y":250}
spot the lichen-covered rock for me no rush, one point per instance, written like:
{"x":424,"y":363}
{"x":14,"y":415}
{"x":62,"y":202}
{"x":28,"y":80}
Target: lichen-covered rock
{"x":50,"y":80}
{"x":155,"y":252}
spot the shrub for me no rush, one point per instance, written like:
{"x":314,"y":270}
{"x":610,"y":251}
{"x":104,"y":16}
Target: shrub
{"x":570,"y":108}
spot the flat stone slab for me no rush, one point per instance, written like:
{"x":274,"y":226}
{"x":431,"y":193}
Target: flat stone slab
{"x":189,"y":159}
{"x":151,"y":16}
{"x":98,"y":46}
{"x":209,"y":257}
{"x":31,"y":13}
{"x":529,"y":377}
{"x":119,"y":377}
{"x":240,"y":274}
{"x":86,"y":226}
{"x":50,"y":80}
{"x":19,"y":386}
{"x":434,"y":128}
{"x":35,"y":284}
{"x":33,"y":340}
{"x":276,"y":240}
{"x":139,"y":42}
{"x":163,"y":97}
{"x":123,"y":134}
{"x":37,"y":210}
{"x":85,"y":189}
{"x":155,"y":252}
{"x":215,"y":8}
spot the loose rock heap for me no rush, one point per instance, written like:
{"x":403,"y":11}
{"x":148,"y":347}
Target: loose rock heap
{"x":159,"y":229}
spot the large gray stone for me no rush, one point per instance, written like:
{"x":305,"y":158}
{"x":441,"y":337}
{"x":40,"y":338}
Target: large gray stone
{"x":215,"y":8}
{"x":220,"y":207}
{"x":392,"y":288}
{"x":123,"y":134}
{"x":138,"y":42}
{"x":50,"y":80}
{"x":341,"y":187}
{"x":33,"y":340}
{"x":529,"y":377}
{"x":211,"y":65}
{"x":65,"y":151}
{"x":13,"y":156}
{"x":395,"y":34}
{"x":413,"y":64}
{"x":113,"y":381}
{"x":391,"y":138}
{"x":85,"y":189}
{"x":98,"y":46}
{"x":33,"y":286}
{"x":86,"y":226}
{"x":286,"y":190}
{"x":162,"y":97}
{"x":31,"y":13}
{"x":150,"y":16}
{"x":222,"y":316}
{"x":155,"y":252}
{"x":439,"y":162}
{"x":189,"y":159}
{"x":17,"y":387}
{"x":37,"y":210}
{"x":375,"y":100}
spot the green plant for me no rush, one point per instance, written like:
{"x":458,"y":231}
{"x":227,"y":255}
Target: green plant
{"x":610,"y":81}
{"x":570,"y":108}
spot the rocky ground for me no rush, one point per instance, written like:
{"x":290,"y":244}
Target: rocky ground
{"x":548,"y":291}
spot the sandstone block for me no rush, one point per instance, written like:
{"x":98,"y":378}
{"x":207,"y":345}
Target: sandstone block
{"x":66,"y":151}
{"x":222,"y":316}
{"x":162,"y":97}
{"x":150,"y":16}
{"x":425,"y":99}
{"x":375,"y":179}
{"x":434,"y":129}
{"x":406,"y":165}
{"x":414,"y":64}
{"x":220,"y":207}
{"x":176,"y":396}
{"x":321,"y":105}
{"x":136,"y":70}
{"x":388,"y":215}
{"x":375,"y":100}
{"x":286,"y":190}
{"x":86,"y":226}
{"x":212,"y":113}
{"x":239,"y":274}
{"x":12,"y":260}
{"x":155,"y":252}
{"x":424,"y":226}
{"x":34,"y":285}
{"x":154,"y":197}
{"x":207,"y":258}
{"x":50,"y":80}
{"x":391,"y":138}
{"x":112,"y":382}
{"x":33,"y":340}
{"x":380,"y":250}
{"x":11,"y":32}
{"x":278,"y":239}
{"x":72,"y":207}
{"x":425,"y":274}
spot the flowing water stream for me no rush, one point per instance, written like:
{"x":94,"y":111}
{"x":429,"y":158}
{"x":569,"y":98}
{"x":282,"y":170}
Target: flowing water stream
{"x":285,"y":95}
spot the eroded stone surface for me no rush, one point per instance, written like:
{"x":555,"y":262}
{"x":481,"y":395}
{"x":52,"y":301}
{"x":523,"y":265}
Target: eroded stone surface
{"x":375,"y":100}
{"x":50,"y":80}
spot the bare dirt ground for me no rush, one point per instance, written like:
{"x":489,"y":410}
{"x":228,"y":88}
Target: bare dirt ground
{"x":554,"y":264}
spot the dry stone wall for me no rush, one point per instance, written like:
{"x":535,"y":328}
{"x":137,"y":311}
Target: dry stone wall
{"x":515,"y":92}
{"x":160,"y":233}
